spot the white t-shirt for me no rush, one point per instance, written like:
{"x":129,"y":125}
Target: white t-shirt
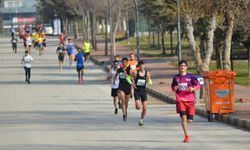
{"x":27,"y":61}
{"x":29,"y":41}
{"x":116,"y":85}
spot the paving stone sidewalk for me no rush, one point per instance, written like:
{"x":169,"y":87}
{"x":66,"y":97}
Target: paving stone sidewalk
{"x":162,"y":73}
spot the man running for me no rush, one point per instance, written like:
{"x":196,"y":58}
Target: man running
{"x":70,"y":49}
{"x":27,"y":60}
{"x":115,"y":86}
{"x":12,"y":30}
{"x":40,"y":45}
{"x":133,"y":65}
{"x":132,"y":62}
{"x":35,"y":37}
{"x":79,"y":58}
{"x":184,"y":85}
{"x":87,"y":49}
{"x":124,"y":85}
{"x":62,"y":38}
{"x":14,"y":44}
{"x":141,"y":77}
{"x":61,"y":51}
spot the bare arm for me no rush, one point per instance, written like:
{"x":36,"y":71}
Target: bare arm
{"x":109,"y":76}
{"x":116,"y":75}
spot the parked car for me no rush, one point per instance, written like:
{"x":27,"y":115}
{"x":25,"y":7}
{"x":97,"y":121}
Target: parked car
{"x":48,"y":29}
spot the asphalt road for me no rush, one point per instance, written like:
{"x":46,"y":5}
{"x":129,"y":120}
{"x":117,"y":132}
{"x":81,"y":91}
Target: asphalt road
{"x":55,"y":113}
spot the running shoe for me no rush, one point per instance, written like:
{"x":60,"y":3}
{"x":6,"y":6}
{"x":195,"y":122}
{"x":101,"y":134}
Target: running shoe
{"x":125,"y":118}
{"x":116,"y":111}
{"x":141,"y":123}
{"x":187,"y":139}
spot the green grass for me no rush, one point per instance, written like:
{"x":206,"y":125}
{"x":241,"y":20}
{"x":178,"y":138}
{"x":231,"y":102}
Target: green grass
{"x":145,"y":47}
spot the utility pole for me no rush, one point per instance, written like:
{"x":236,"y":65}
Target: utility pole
{"x":136,"y":28}
{"x":179,"y":30}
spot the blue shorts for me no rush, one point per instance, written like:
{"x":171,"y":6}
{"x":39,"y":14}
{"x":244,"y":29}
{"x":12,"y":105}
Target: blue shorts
{"x":70,"y":52}
{"x":79,"y":68}
{"x":39,"y":45}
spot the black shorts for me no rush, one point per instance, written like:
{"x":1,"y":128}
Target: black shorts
{"x":79,"y":68}
{"x":14,"y":45}
{"x":60,"y":57}
{"x":126,"y":90}
{"x":140,"y":95}
{"x":189,"y":117}
{"x":44,"y":44}
{"x":86,"y":54}
{"x":114,"y":92}
{"x":24,"y":44}
{"x":35,"y":44}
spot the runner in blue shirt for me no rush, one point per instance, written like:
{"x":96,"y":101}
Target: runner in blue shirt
{"x":79,"y":58}
{"x":70,"y":49}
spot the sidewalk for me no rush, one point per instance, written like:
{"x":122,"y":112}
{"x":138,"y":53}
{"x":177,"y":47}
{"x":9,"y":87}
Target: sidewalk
{"x":162,"y":73}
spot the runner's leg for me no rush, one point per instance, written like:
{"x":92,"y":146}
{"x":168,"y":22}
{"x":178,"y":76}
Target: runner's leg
{"x":29,"y":74}
{"x":127,"y":97}
{"x":26,"y":74}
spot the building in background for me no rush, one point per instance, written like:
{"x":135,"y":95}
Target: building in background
{"x":17,"y":12}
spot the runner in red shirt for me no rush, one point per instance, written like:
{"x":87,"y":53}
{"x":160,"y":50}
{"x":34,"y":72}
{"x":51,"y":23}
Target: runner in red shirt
{"x":184,"y":85}
{"x":62,"y":39}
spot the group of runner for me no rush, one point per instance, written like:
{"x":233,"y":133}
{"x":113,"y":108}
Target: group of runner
{"x":130,"y":77}
{"x":36,"y":37}
{"x":67,"y":47}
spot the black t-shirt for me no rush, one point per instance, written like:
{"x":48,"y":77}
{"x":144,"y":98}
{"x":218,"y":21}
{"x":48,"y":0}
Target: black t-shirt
{"x":122,"y":76}
{"x":61,"y":50}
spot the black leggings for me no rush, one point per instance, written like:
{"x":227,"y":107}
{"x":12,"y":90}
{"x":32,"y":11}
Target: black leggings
{"x":27,"y":73}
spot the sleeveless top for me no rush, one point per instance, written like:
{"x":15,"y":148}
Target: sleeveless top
{"x":122,"y":77}
{"x":141,"y":81}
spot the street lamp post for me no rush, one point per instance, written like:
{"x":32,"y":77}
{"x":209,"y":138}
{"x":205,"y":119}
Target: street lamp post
{"x":179,"y":30}
{"x":137,"y":32}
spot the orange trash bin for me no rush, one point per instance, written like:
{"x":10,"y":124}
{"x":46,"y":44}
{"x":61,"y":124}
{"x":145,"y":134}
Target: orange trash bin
{"x":219,"y":92}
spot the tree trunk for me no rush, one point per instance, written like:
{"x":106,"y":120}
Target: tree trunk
{"x":229,"y":20}
{"x":87,"y":25}
{"x":93,"y":28}
{"x":195,"y":48}
{"x":103,"y":30}
{"x":171,"y":42}
{"x":76,"y":30}
{"x":158,"y":38}
{"x":153,"y":37}
{"x":210,"y":39}
{"x":83,"y":26}
{"x":106,"y":36}
{"x":249,"y":62}
{"x":149,"y":38}
{"x":115,"y":30}
{"x":163,"y":42}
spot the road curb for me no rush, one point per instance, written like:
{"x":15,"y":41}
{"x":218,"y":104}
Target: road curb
{"x":230,"y":120}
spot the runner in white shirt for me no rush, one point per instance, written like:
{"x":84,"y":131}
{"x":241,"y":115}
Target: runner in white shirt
{"x":114,"y":84}
{"x":26,"y":61}
{"x":28,"y":43}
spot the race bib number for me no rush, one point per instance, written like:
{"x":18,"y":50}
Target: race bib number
{"x":122,"y":76}
{"x":183,"y":86}
{"x":141,"y":82}
{"x":133,"y":67}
